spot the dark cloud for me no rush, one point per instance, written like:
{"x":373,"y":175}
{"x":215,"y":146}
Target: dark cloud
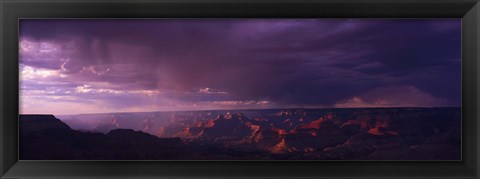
{"x":294,"y":62}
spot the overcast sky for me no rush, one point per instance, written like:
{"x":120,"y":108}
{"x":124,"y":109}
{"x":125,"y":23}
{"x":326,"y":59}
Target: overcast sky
{"x":91,"y":66}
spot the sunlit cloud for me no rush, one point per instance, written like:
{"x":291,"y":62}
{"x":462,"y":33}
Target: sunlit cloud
{"x":392,"y":96}
{"x":88,"y":89}
{"x":210,"y":91}
{"x":263,"y":102}
{"x":31,"y":73}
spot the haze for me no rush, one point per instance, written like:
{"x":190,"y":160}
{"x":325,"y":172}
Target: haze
{"x":96,"y":66}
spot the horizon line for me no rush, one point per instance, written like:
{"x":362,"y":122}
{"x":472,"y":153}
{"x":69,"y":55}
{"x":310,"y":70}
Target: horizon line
{"x":116,"y":112}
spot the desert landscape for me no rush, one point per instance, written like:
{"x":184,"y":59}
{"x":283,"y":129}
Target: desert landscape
{"x":274,"y":134}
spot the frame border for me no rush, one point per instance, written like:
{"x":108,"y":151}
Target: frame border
{"x":12,"y":10}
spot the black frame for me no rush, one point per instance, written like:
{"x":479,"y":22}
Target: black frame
{"x":12,"y":10}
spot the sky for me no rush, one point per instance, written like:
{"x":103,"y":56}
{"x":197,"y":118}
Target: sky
{"x":73,"y":66}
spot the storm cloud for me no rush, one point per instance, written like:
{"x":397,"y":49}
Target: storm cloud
{"x":187,"y":64}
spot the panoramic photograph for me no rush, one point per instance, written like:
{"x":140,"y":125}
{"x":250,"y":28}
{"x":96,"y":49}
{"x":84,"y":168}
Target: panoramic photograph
{"x":240,"y":89}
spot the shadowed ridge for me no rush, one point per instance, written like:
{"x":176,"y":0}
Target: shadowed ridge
{"x":39,"y":122}
{"x":137,"y":137}
{"x":44,"y":137}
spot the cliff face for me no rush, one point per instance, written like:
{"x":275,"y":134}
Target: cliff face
{"x":316,"y":134}
{"x":45,"y":137}
{"x":36,"y":123}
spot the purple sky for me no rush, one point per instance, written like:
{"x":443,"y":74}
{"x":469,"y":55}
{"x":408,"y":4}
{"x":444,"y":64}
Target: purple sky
{"x":91,"y":66}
